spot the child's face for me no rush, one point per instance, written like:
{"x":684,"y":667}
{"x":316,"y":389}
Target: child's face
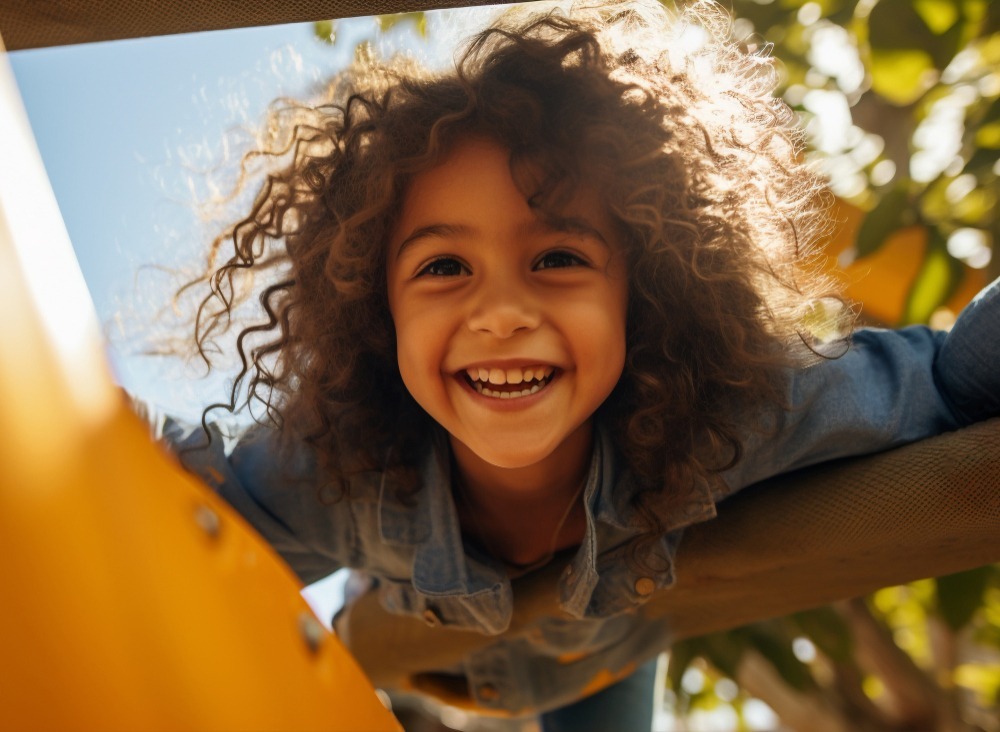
{"x":479,"y":285}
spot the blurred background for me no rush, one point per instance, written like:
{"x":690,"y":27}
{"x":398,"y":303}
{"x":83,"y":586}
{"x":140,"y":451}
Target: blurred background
{"x":901,"y":103}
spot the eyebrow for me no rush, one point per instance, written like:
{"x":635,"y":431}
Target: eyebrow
{"x":570,"y":224}
{"x":573,"y":225}
{"x":443,"y":231}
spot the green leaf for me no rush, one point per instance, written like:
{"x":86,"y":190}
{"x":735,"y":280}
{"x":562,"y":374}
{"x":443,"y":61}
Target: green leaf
{"x":987,"y":635}
{"x":387,"y":22}
{"x":910,"y":42}
{"x":935,"y":206}
{"x":828,"y":631}
{"x":325,"y":31}
{"x":960,"y":595}
{"x":938,"y":15}
{"x":977,"y":208}
{"x":989,"y":136}
{"x":896,"y":25}
{"x":885,"y":218}
{"x":901,"y":76}
{"x":938,"y":278}
{"x":984,"y":679}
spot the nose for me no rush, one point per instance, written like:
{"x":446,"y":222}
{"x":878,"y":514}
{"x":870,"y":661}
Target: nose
{"x":504,"y":308}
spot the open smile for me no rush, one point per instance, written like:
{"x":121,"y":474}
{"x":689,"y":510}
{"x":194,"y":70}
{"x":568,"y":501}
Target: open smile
{"x":509,"y":383}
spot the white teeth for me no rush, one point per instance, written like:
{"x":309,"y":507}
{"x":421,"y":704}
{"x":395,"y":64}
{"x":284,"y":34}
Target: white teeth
{"x":500,"y":376}
{"x":483,"y":378}
{"x":496,"y":394}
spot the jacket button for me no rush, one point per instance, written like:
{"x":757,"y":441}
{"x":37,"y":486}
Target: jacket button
{"x":431,"y":618}
{"x":488,"y":692}
{"x":644,"y":586}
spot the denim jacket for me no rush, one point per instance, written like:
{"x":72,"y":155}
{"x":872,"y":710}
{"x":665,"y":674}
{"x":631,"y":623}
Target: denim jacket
{"x":891,"y":388}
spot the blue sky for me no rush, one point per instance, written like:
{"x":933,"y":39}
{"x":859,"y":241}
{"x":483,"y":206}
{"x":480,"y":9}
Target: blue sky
{"x":128,"y":131}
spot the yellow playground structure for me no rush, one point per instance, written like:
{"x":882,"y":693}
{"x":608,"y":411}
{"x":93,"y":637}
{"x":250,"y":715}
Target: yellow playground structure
{"x":133,"y":598}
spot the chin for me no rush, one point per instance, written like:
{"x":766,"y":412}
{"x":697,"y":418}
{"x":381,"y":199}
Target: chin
{"x":511,"y":457}
{"x":511,"y":462}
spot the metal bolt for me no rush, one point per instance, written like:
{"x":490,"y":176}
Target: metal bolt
{"x":207,"y":520}
{"x":312,"y":630}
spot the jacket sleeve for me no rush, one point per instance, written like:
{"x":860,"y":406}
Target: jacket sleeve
{"x":889,"y":389}
{"x":273,"y":487}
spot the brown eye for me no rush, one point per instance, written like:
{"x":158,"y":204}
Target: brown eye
{"x":443,"y":267}
{"x":559,"y":260}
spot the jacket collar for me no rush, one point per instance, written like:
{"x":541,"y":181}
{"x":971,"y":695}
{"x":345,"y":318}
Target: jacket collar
{"x":602,"y":581}
{"x":430,"y":525}
{"x":442,"y":568}
{"x":613,"y":503}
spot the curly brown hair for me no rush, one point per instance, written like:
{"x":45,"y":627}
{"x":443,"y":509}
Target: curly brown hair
{"x":675,"y":125}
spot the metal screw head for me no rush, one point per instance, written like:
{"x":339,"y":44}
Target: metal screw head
{"x":313,"y":632}
{"x":207,"y":520}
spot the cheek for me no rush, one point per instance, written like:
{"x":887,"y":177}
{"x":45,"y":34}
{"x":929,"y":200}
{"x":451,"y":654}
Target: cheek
{"x":407,"y":353}
{"x":602,"y":343}
{"x":614,"y":353}
{"x":419,"y":354}
{"x":614,"y":347}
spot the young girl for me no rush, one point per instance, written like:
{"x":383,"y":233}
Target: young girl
{"x":549,"y":308}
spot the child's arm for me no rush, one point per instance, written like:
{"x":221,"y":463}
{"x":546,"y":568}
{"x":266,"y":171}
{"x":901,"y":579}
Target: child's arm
{"x":275,"y":490}
{"x":969,"y":362}
{"x":891,"y":388}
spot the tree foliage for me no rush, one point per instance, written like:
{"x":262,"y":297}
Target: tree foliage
{"x":901,"y":101}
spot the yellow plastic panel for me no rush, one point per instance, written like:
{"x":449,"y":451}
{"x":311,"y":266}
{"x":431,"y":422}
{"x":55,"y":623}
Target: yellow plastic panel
{"x":132,"y":597}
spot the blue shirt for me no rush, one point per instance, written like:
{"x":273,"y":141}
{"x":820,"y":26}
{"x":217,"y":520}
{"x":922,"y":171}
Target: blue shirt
{"x":891,"y":388}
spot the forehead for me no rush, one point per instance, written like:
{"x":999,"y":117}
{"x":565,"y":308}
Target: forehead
{"x":473,"y":181}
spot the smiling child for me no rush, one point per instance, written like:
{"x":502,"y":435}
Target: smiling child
{"x":484,"y":293}
{"x":549,"y":307}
